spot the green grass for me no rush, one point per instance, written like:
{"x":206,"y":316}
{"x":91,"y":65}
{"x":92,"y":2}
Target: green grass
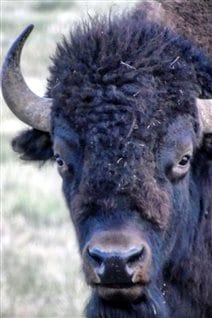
{"x":41,"y":272}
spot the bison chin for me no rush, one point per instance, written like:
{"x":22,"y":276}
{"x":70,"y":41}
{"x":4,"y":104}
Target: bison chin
{"x":131,"y":302}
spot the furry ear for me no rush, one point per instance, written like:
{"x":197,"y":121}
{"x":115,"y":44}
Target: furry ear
{"x":33,"y":144}
{"x":207,"y":145}
{"x":202,"y":243}
{"x":206,"y":174}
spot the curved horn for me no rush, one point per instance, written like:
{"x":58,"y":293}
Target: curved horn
{"x":28,"y":107}
{"x":205,"y":113}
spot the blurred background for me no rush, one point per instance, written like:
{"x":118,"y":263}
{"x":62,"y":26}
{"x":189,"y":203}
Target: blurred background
{"x":40,"y":265}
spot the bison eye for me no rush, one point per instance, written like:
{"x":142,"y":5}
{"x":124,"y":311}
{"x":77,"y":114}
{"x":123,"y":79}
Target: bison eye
{"x":60,"y":162}
{"x":63,"y":167}
{"x":185,"y":160}
{"x":180,"y":168}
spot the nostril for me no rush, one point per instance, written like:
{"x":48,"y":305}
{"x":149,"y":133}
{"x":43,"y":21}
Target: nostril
{"x":135,"y":255}
{"x":96,"y":255}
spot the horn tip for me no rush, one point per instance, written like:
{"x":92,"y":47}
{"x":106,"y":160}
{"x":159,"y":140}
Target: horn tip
{"x":30,"y":27}
{"x":27,"y":30}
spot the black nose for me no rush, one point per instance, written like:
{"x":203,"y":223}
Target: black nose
{"x":115,"y":267}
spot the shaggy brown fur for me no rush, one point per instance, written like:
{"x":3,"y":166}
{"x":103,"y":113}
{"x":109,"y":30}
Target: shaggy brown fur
{"x":123,"y":117}
{"x":190,"y":18}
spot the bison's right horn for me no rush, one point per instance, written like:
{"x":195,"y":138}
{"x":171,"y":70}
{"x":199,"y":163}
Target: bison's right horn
{"x":205,"y":114}
{"x":28,"y":107}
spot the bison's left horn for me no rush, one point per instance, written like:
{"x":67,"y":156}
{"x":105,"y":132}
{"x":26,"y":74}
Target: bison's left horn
{"x":205,"y":114}
{"x":28,"y":107}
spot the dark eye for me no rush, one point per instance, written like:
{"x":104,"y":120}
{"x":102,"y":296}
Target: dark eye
{"x":180,"y":168}
{"x":185,"y":160}
{"x":60,"y":162}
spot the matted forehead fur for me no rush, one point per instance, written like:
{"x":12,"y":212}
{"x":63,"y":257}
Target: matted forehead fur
{"x":120,"y":82}
{"x":126,"y":73}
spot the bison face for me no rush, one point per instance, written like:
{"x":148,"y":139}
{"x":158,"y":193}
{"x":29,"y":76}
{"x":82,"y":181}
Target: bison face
{"x":129,"y":201}
{"x":127,"y":106}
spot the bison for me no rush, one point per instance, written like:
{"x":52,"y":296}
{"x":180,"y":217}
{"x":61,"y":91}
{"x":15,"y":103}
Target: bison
{"x":127,"y":117}
{"x":192,"y":19}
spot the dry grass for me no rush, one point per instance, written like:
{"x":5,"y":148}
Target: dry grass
{"x":40,"y":279}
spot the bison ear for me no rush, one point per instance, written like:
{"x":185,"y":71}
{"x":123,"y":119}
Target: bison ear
{"x":203,"y":67}
{"x":207,"y":146}
{"x":33,"y":144}
{"x":205,"y":173}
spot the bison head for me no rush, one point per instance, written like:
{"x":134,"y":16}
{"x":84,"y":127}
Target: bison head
{"x":128,"y":122}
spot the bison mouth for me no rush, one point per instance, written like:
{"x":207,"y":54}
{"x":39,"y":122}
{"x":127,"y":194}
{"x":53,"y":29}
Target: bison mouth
{"x":118,"y":265}
{"x":136,"y":299}
{"x":120,"y":292}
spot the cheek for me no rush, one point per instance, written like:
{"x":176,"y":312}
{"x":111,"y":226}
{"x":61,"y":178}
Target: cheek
{"x":70,"y":181}
{"x":180,"y":213}
{"x":181,"y":197}
{"x":68,"y":191}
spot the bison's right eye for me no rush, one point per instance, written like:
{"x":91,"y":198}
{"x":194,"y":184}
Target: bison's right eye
{"x":64,"y":168}
{"x":60,"y":162}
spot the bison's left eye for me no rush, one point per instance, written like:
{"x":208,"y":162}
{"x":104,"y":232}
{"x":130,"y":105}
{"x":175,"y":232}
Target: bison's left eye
{"x":181,"y":167}
{"x":185,"y":160}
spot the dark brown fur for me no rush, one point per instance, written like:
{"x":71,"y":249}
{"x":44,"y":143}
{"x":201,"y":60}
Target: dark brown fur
{"x":190,"y":18}
{"x":124,"y":94}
